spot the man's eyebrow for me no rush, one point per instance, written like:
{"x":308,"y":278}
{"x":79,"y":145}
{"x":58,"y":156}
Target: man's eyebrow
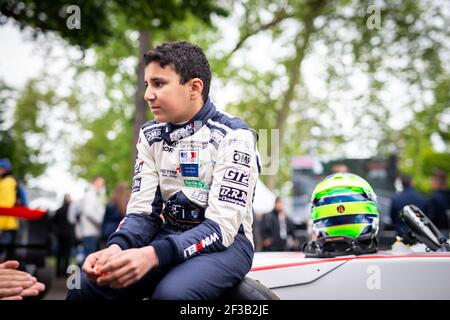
{"x":157,"y":79}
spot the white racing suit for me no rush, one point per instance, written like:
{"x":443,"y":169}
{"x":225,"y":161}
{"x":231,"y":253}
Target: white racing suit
{"x":191,"y":200}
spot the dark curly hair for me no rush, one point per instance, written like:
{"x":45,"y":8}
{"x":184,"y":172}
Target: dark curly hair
{"x":188,"y":60}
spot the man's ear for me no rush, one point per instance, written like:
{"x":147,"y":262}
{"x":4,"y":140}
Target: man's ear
{"x":196,"y":88}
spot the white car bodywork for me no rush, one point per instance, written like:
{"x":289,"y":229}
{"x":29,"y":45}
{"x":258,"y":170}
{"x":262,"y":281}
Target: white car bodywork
{"x":384,"y":275}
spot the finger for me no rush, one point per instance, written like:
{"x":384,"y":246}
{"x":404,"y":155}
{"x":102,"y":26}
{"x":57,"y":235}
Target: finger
{"x":89,"y":268}
{"x":102,"y":259}
{"x":16,"y":284}
{"x":89,"y":263}
{"x":29,"y":293}
{"x":12,"y":298}
{"x":38,"y":286}
{"x":111,"y":277}
{"x":4,"y":278}
{"x":114,"y":264}
{"x":34,"y":290}
{"x":8,"y":292}
{"x":130,"y":282}
{"x":124,"y":281}
{"x":11,"y":264}
{"x":12,"y":272}
{"x":90,"y":271}
{"x":107,"y":256}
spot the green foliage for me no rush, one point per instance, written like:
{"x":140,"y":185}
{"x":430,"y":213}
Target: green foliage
{"x":110,"y":28}
{"x":45,"y":16}
{"x":6,"y":139}
{"x":107,"y":152}
{"x":117,"y":60}
{"x":419,"y":158}
{"x":409,"y":46}
{"x":22,"y":140}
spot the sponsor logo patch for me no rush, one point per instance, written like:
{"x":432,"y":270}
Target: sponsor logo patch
{"x":169,"y":173}
{"x":189,"y":163}
{"x":237,"y":176}
{"x":233,"y":195}
{"x":136,"y":185}
{"x":188,"y":156}
{"x":138,"y":166}
{"x":167,"y":148}
{"x":242,"y":158}
{"x":183,"y":132}
{"x":192,"y":144}
{"x":196,"y":184}
{"x":189,"y":251}
{"x":201,"y":196}
{"x":152,"y":134}
{"x":217,"y":136}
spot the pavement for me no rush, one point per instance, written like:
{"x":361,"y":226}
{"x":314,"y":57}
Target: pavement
{"x":58,"y":289}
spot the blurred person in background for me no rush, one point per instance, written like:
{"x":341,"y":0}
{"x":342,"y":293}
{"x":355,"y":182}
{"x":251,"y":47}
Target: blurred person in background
{"x":339,"y":167}
{"x":406,"y":197}
{"x":64,"y":230}
{"x":278,"y":230}
{"x":91,"y":215}
{"x":115,"y":209}
{"x":8,"y":197}
{"x":437,"y":207}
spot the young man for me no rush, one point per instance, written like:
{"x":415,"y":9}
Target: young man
{"x":188,"y":229}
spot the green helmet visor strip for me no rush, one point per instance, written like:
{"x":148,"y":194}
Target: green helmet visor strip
{"x":343,"y":191}
{"x":348,"y":225}
{"x":345,"y":210}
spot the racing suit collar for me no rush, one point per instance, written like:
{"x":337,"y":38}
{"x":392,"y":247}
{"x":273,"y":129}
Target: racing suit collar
{"x":173,"y":132}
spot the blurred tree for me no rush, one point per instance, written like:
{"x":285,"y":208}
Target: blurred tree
{"x":365,"y":56}
{"x":52,"y":16}
{"x":419,"y":157}
{"x":120,"y":32}
{"x":6,"y":140}
{"x":109,"y":131}
{"x":23,"y":135}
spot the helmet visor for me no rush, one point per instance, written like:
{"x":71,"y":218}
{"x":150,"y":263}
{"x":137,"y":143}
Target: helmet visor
{"x":354,"y":226}
{"x":354,"y":197}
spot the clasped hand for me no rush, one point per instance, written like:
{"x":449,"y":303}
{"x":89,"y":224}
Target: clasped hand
{"x":16,"y":284}
{"x":119,"y":268}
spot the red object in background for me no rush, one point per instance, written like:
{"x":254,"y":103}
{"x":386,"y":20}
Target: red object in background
{"x":23,"y":212}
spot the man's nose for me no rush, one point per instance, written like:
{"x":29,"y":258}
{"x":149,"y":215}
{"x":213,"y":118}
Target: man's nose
{"x":149,"y":94}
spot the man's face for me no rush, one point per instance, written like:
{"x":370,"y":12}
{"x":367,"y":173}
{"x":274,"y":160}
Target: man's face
{"x":168,"y":100}
{"x":279,"y":206}
{"x":99,"y":183}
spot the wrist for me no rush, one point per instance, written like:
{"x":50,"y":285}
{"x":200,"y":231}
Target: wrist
{"x":115,"y":247}
{"x":151,"y":255}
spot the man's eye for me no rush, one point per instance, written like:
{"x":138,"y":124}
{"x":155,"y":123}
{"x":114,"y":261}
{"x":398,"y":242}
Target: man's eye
{"x":158,"y":84}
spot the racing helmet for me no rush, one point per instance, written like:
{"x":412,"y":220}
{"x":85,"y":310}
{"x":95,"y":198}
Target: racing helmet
{"x":344,"y":205}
